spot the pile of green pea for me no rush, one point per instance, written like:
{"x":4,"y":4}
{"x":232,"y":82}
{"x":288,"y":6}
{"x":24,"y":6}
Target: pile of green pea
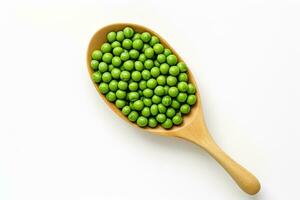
{"x":143,"y":79}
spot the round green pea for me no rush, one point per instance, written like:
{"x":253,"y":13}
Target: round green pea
{"x":173,"y":91}
{"x":126,"y":110}
{"x":182,"y":86}
{"x":133,"y":86}
{"x":148,"y":64}
{"x":159,"y":90}
{"x":146,"y":112}
{"x":97,"y":55}
{"x":143,"y":85}
{"x":149,"y":52}
{"x":152,"y":122}
{"x":106,"y":77}
{"x":147,"y":102}
{"x":121,"y":94}
{"x":133,"y":116}
{"x":138,"y":105}
{"x":120,"y":36}
{"x":181,"y":97}
{"x":161,"y":80}
{"x":133,"y":96}
{"x":128,"y":65}
{"x":137,"y":44}
{"x":136,"y":76}
{"x":161,"y":108}
{"x":127,"y":44}
{"x":183,"y":77}
{"x":158,"y":48}
{"x":155,"y":72}
{"x":175,"y":104}
{"x":124,"y":56}
{"x":171,"y":80}
{"x":164,"y":68}
{"x":113,"y":85}
{"x":146,"y":37}
{"x":115,"y":44}
{"x":156,"y":63}
{"x":154,"y":109}
{"x":110,"y":67}
{"x":103,"y":88}
{"x":177,"y":120}
{"x":142,"y":57}
{"x":142,"y":121}
{"x":171,"y":59}
{"x":191,"y":89}
{"x":156,"y":99}
{"x":185,"y":109}
{"x":167,"y":52}
{"x":128,"y":32}
{"x":151,"y":83}
{"x":148,"y":93}
{"x":136,"y":36}
{"x":125,"y":75}
{"x":122,"y":85}
{"x":146,"y":74}
{"x":120,"y":103}
{"x":166,"y":100}
{"x":182,"y":66}
{"x":116,"y":61}
{"x":96,"y":76}
{"x":103,"y":67}
{"x":191,"y":99}
{"x":138,"y":65}
{"x":117,"y":51}
{"x":174,"y":70}
{"x":111,"y":36}
{"x":106,"y":48}
{"x":161,"y":58}
{"x":107,"y":57}
{"x":154,"y":40}
{"x":134,"y":54}
{"x":170,"y":112}
{"x":115,"y":73}
{"x":167,"y":124}
{"x":94,"y":64}
{"x":161,"y":118}
{"x":111,"y":96}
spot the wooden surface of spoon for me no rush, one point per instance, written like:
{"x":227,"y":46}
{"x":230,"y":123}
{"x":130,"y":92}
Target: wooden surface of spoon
{"x":193,"y":128}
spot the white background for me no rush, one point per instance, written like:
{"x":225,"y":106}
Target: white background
{"x":58,"y":140}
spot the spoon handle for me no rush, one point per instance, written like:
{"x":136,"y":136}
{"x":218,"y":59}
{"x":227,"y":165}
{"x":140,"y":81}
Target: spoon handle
{"x":246,"y":181}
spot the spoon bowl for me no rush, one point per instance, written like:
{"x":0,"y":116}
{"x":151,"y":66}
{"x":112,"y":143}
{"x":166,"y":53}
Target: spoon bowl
{"x":193,"y":127}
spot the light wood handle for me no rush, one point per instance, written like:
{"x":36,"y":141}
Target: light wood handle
{"x":246,"y":181}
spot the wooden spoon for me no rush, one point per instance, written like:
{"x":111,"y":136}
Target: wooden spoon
{"x":193,"y":128}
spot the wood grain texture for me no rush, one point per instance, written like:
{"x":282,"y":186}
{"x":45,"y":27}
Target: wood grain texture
{"x":193,"y":128}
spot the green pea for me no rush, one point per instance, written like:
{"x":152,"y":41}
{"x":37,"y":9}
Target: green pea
{"x":147,"y":102}
{"x":166,"y":88}
{"x":125,"y":76}
{"x":120,"y":103}
{"x":159,"y":90}
{"x":158,"y":48}
{"x":166,"y":100}
{"x":113,"y":85}
{"x":146,"y":74}
{"x":106,"y":77}
{"x":170,"y":112}
{"x":137,"y":44}
{"x":175,"y":104}
{"x":120,"y":36}
{"x":136,"y":76}
{"x":134,"y":54}
{"x":142,"y":57}
{"x":122,"y":85}
{"x":164,"y":68}
{"x":171,"y":59}
{"x":191,"y":100}
{"x":115,"y":44}
{"x":161,"y":80}
{"x":133,"y":96}
{"x":138,"y":65}
{"x":143,"y":84}
{"x":167,"y":124}
{"x":173,"y":92}
{"x":155,"y":72}
{"x":128,"y":32}
{"x":148,"y":93}
{"x":167,"y":52}
{"x":126,"y":110}
{"x":185,"y":109}
{"x":111,"y":96}
{"x":111,"y":36}
{"x":103,"y":88}
{"x":151,"y":83}
{"x":97,"y":55}
{"x":174,"y":71}
{"x":106,"y":48}
{"x":127,"y":44}
{"x":121,"y":94}
{"x":148,"y":64}
{"x":116,"y":61}
{"x":96,"y":76}
{"x":161,"y":108}
{"x":146,"y":46}
{"x":156,"y":99}
{"x":115,"y":73}
{"x":154,"y":40}
{"x":146,"y":112}
{"x":128,"y":65}
{"x":94,"y":64}
{"x":152,"y":122}
{"x":183,"y":77}
{"x":177,"y":119}
{"x":107,"y":57}
{"x":156,"y":63}
{"x":133,"y":86}
{"x":181,"y":97}
{"x":182,"y":67}
{"x":117,"y":51}
{"x":149,"y":52}
{"x":124,"y":56}
{"x":161,"y":58}
{"x":171,"y":80}
{"x":182,"y":86}
{"x":136,"y":36}
{"x":154,"y":109}
{"x":110,"y":67}
{"x":161,"y":118}
{"x":142,"y":121}
{"x":133,"y":116}
{"x":146,"y":37}
{"x":138,"y":105}
{"x":191,"y":89}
